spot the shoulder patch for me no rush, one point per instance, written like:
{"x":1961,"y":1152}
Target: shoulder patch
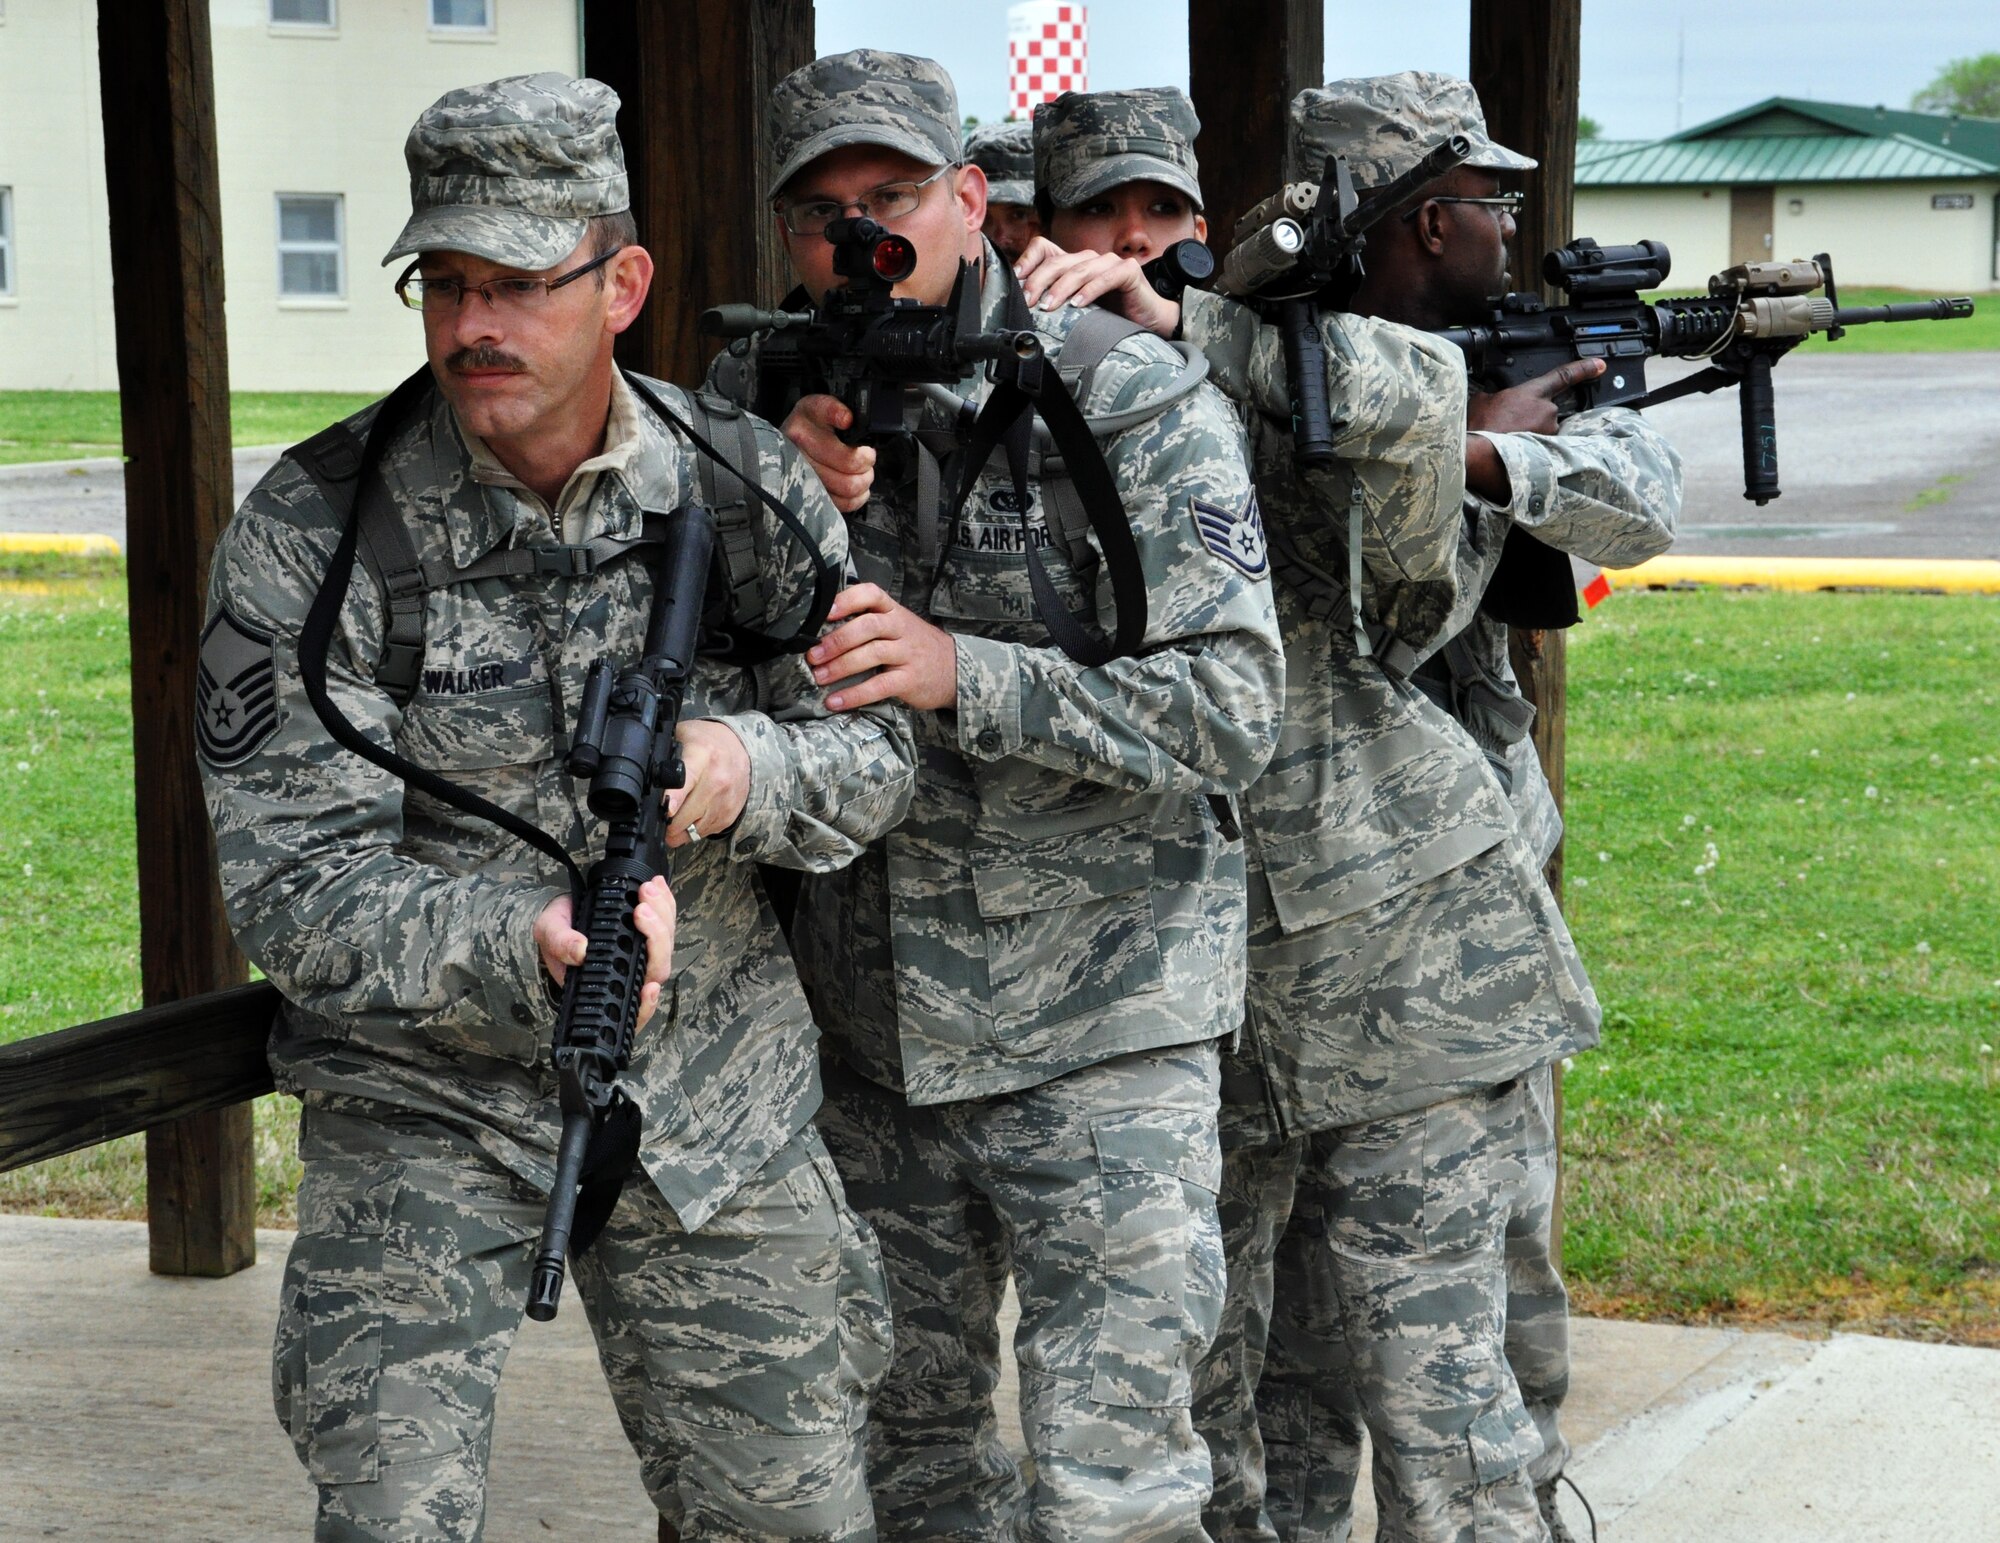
{"x":235,"y":691}
{"x":1235,"y":535}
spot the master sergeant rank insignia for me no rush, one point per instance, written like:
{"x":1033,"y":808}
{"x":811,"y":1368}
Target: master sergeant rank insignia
{"x":1235,"y":535}
{"x":235,"y":691}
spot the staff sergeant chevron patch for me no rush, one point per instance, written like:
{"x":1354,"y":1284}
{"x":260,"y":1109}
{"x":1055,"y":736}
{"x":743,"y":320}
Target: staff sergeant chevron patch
{"x":1235,"y":535}
{"x":234,"y":692}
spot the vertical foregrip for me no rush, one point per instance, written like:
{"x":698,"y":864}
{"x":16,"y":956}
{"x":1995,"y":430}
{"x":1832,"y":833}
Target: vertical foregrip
{"x":1305,"y":381}
{"x":1760,"y":432}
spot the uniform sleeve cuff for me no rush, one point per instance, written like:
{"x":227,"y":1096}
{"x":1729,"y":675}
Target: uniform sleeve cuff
{"x":989,"y":697}
{"x":760,"y":829}
{"x":1531,"y":478}
{"x":510,"y":961}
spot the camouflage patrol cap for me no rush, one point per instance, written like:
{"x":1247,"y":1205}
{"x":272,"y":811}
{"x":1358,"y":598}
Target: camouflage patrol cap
{"x":1006,"y":153}
{"x":1384,"y":124}
{"x":1088,"y":142}
{"x":513,"y":170}
{"x":863,"y":97}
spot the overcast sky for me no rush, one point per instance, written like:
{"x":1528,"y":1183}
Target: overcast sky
{"x":1738,"y":51}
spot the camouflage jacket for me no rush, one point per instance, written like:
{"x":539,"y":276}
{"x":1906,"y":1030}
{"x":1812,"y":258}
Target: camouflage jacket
{"x":1061,"y":892}
{"x":1365,"y":829}
{"x":399,"y":930}
{"x":1607,"y":488}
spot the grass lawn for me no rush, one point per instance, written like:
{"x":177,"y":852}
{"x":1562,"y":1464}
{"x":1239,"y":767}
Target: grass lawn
{"x":1796,"y":1113}
{"x":1785,"y":856}
{"x":73,"y":425}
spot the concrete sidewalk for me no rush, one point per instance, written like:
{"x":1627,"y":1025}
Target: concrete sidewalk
{"x":133,"y":1406}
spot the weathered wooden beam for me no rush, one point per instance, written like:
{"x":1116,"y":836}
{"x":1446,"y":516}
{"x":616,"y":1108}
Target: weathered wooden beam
{"x":1245,"y":64}
{"x":1526,"y":58}
{"x":72,"y":1089}
{"x":694,"y":148}
{"x":173,"y":376}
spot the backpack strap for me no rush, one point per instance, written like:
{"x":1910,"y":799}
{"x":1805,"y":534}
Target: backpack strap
{"x":1088,"y":344}
{"x":741,"y":541}
{"x":1326,"y":595}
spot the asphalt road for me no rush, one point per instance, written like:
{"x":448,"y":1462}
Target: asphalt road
{"x":1879,"y":455}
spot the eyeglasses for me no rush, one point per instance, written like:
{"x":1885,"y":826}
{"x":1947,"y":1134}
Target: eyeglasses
{"x":514,"y":294}
{"x":891,"y":201}
{"x":1501,"y":203}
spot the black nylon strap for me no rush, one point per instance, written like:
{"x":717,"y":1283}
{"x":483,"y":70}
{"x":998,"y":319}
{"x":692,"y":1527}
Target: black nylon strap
{"x":1007,"y":419}
{"x":316,"y":636}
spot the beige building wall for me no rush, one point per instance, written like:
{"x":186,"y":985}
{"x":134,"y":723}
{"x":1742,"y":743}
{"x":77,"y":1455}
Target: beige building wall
{"x":1694,"y":223}
{"x":1877,"y":232}
{"x":299,"y":110}
{"x":55,"y":325}
{"x":1888,"y":233}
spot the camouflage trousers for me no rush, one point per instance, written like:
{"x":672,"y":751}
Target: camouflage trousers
{"x":1097,"y":1190}
{"x":740,"y":1356}
{"x":1390,"y":1293}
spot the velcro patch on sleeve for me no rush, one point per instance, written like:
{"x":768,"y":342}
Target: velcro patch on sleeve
{"x":1235,"y":535}
{"x":235,"y":692}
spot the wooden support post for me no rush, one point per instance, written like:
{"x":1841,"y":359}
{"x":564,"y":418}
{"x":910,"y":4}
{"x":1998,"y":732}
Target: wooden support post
{"x":1525,"y":62}
{"x":694,"y":148}
{"x":1245,"y":64}
{"x":173,"y":380}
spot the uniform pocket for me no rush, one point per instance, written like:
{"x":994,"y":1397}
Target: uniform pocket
{"x":1158,"y":1173}
{"x":867,"y":1339}
{"x":1069,"y":924}
{"x":328,"y":1362}
{"x":1502,"y":1441}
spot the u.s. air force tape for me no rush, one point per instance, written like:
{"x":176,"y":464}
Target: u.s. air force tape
{"x":235,"y":691}
{"x":1235,"y":535}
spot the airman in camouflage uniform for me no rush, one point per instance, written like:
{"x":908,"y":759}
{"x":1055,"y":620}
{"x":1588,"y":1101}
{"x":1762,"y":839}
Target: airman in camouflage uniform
{"x":1006,"y":153}
{"x":1023,"y":985}
{"x":738,"y":1301}
{"x":1606,"y":488}
{"x":1407,"y":964}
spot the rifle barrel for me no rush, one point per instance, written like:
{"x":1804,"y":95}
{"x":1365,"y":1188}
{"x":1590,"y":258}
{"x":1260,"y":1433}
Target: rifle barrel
{"x":1956,"y":309}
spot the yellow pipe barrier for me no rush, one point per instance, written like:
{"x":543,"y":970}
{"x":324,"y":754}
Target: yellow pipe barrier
{"x":1951,"y":576}
{"x":66,"y":546}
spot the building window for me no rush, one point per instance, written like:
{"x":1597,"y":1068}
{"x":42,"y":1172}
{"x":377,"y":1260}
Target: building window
{"x":462,"y":15}
{"x":6,"y":241}
{"x":309,"y":265}
{"x":303,"y":13}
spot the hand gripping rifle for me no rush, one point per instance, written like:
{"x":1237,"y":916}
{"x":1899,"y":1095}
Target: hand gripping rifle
{"x":624,"y":743}
{"x":1301,"y":249}
{"x":1752,"y":316}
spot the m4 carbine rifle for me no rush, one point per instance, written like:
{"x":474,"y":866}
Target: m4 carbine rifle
{"x":870,"y":348}
{"x":624,"y":743}
{"x":1752,"y":315}
{"x":1301,"y":249}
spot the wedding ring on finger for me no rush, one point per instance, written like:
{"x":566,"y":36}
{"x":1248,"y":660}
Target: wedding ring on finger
{"x":693,"y":835}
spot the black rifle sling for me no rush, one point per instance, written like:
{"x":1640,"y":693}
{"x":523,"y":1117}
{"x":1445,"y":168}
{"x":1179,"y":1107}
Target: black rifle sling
{"x":1006,"y":419}
{"x":1533,"y":585}
{"x":316,"y":636}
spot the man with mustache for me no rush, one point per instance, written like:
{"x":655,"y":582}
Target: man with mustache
{"x":736,"y":1299}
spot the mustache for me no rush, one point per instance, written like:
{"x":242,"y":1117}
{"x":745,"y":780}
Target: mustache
{"x":484,"y":357}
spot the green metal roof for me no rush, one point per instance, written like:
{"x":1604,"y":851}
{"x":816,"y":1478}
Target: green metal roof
{"x":1784,"y":139}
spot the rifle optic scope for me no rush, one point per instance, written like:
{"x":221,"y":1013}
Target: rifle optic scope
{"x":864,"y":250}
{"x":1588,"y":270}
